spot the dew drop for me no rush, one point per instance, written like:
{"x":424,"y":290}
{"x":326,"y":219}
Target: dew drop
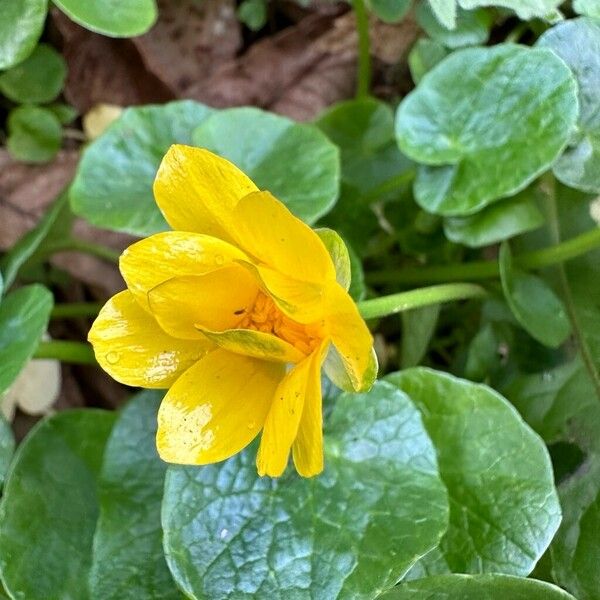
{"x":219,"y":259}
{"x":112,"y":358}
{"x":251,"y":424}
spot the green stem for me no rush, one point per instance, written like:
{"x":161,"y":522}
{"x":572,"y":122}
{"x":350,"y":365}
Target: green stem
{"x":364,"y":52}
{"x":479,"y":270}
{"x":395,"y":303}
{"x":76,"y":309}
{"x":77,"y":353}
{"x":78,"y":245}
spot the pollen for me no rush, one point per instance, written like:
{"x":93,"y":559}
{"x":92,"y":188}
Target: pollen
{"x":266,"y":317}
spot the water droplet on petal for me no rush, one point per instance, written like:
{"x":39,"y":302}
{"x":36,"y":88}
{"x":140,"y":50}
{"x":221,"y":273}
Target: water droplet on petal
{"x":112,"y":358}
{"x":219,"y":259}
{"x":251,"y":424}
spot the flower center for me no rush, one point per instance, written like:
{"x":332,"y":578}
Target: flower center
{"x":266,"y":317}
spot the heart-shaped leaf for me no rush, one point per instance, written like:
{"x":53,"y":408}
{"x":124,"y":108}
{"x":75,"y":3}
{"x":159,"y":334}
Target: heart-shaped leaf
{"x":351,"y":532}
{"x":485,"y":122}
{"x":34,"y":134}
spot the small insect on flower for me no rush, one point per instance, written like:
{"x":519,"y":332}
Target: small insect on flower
{"x":235,"y":311}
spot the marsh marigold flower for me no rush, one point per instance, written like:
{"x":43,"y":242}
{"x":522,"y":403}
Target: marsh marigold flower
{"x":235,"y":311}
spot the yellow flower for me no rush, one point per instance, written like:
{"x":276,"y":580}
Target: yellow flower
{"x":235,"y":312}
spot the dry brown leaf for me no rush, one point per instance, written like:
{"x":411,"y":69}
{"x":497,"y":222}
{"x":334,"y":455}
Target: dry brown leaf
{"x":189,"y":41}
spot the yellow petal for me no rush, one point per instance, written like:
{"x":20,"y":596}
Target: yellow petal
{"x":160,"y":257}
{"x":134,"y":350}
{"x":256,"y":344}
{"x":267,"y":230}
{"x":215,"y":301}
{"x":300,"y":385}
{"x":197,"y":190}
{"x":351,"y":337}
{"x":216,"y":408}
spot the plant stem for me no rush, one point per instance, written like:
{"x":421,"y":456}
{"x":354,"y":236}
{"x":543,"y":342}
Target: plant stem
{"x":78,"y":245}
{"x":395,"y":303}
{"x":486,"y":269}
{"x":76,"y":309}
{"x":78,"y":353}
{"x":364,"y":51}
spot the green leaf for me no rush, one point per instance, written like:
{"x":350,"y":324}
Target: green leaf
{"x":535,"y":306}
{"x":504,"y":509}
{"x":418,"y":327}
{"x":577,"y":42}
{"x":497,"y":222}
{"x":424,"y":55}
{"x":472,"y":27}
{"x":128,"y":560}
{"x":590,"y":8}
{"x":364,"y":132}
{"x":24,"y":316}
{"x":389,"y":11}
{"x":38,"y":79}
{"x":50,"y":506}
{"x":113,"y":185}
{"x":126,"y":18}
{"x":21,"y":25}
{"x":351,"y":532}
{"x":253,"y":13}
{"x":7,"y":447}
{"x":63,"y":112}
{"x":294,"y":161}
{"x":34,"y":134}
{"x":445,"y":12}
{"x":476,"y":587}
{"x":525,"y":9}
{"x":486,"y":122}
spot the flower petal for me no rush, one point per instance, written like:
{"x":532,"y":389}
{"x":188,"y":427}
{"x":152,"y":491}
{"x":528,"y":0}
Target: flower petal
{"x":257,"y":344}
{"x":216,"y":408}
{"x":300,"y":385}
{"x":351,"y":337}
{"x":214,"y":301}
{"x":197,"y":190}
{"x":160,"y":257}
{"x":134,"y":350}
{"x":267,"y":230}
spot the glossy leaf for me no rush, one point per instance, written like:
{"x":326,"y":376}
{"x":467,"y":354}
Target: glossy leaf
{"x":525,"y":9}
{"x":24,"y":317}
{"x":577,"y":42}
{"x":476,"y":587}
{"x":472,"y":27}
{"x":350,"y":532}
{"x":390,"y":11}
{"x":504,"y":509}
{"x":113,"y":184}
{"x":485,"y":122}
{"x":7,"y":447}
{"x":125,"y":18}
{"x":21,"y":25}
{"x":128,"y":560}
{"x":497,"y":222}
{"x":36,"y":80}
{"x":424,"y":55}
{"x":294,"y":161}
{"x":445,"y":12}
{"x":50,"y":506}
{"x":537,"y":308}
{"x":34,"y":134}
{"x":589,"y":8}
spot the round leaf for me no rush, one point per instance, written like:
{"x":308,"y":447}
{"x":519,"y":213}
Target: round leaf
{"x":50,"y":506}
{"x":424,"y":55}
{"x":504,"y":508}
{"x":38,"y":79}
{"x":577,"y":42}
{"x":34,"y":134}
{"x":20,"y":28}
{"x":534,"y":304}
{"x":24,"y":316}
{"x":476,"y":587}
{"x":113,"y":184}
{"x":128,"y":560}
{"x":486,"y":122}
{"x":497,"y":222}
{"x":294,"y":161}
{"x":125,"y":18}
{"x":350,"y":532}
